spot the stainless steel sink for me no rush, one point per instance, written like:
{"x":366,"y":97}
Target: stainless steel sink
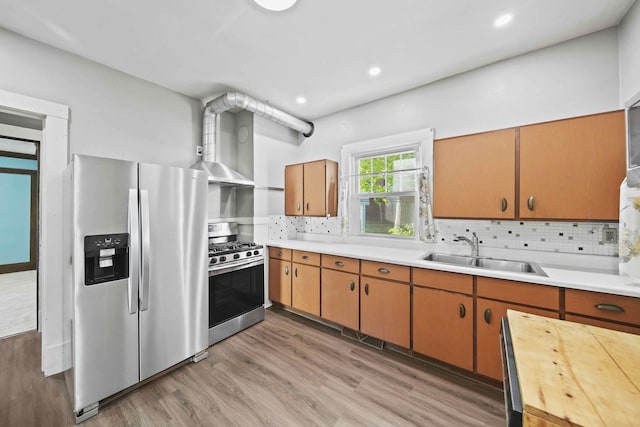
{"x":450,"y":259}
{"x":488,"y":263}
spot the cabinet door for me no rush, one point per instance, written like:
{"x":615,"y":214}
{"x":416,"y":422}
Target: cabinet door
{"x":474,"y":176}
{"x":280,"y":281}
{"x":488,"y":315}
{"x":384,"y":310}
{"x":305,"y":288}
{"x":293,"y":188}
{"x":572,"y":169}
{"x":314,"y":188}
{"x":435,"y":314}
{"x":340,"y":298}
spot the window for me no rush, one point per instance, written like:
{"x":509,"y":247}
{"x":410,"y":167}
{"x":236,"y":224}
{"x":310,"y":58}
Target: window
{"x":386,"y":193}
{"x":379,"y":194}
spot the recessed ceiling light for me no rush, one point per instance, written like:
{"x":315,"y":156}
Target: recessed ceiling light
{"x":374,"y":71}
{"x":301,"y":100}
{"x":275,"y":5}
{"x":503,"y":20}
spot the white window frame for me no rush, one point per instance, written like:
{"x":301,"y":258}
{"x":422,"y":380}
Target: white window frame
{"x":420,"y":141}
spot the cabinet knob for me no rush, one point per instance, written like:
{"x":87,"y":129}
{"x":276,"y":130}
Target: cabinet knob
{"x":487,"y":316}
{"x":530,"y":203}
{"x":504,"y":204}
{"x":286,"y":270}
{"x":307,"y":205}
{"x":298,"y":208}
{"x":463,"y":311}
{"x":366,"y":289}
{"x":609,"y":307}
{"x":295,"y":272}
{"x":340,"y":263}
{"x":384,"y":270}
{"x":352,"y":286}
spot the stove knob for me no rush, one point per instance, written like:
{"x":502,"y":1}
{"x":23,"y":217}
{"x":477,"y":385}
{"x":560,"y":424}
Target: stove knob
{"x":213,"y":260}
{"x":256,"y":252}
{"x":249,"y":253}
{"x":236,"y":256}
{"x":223,"y":258}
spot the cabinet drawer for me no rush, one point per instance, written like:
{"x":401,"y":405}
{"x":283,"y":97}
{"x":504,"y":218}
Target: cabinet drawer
{"x":341,"y":263}
{"x":303,"y":257}
{"x":444,"y":280}
{"x":604,"y":306}
{"x":522,"y":293}
{"x":400,"y":273}
{"x":603,"y":324}
{"x":280,"y":253}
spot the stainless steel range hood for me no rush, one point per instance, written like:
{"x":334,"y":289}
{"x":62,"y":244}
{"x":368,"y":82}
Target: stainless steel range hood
{"x":219,"y":172}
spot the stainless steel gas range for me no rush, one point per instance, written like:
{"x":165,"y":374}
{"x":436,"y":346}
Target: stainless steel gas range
{"x":236,"y":282}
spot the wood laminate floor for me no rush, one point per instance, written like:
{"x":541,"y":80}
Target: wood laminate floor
{"x":285,"y":371}
{"x":17,"y":302}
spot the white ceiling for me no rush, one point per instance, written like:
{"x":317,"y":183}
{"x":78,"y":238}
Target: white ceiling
{"x":320,"y":49}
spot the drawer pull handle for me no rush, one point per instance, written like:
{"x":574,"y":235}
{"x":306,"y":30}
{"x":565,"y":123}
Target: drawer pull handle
{"x":504,"y":204}
{"x":366,"y":289}
{"x":609,"y":307}
{"x":383,"y":270}
{"x":463,"y":311}
{"x":340,"y":263}
{"x":286,"y":270}
{"x":279,"y":253}
{"x":305,"y":257}
{"x":530,"y":203}
{"x":487,"y":316}
{"x":352,"y":286}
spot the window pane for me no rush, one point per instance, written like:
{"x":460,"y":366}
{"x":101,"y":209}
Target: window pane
{"x":392,"y":215}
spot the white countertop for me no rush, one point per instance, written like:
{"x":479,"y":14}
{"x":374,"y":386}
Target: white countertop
{"x":587,"y":272}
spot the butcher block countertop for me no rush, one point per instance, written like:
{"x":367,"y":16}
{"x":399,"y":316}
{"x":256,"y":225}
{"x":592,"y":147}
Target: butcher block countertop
{"x":572,"y":374}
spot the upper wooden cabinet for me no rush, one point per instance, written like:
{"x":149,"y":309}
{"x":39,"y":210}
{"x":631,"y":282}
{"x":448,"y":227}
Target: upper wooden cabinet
{"x":311,"y":189}
{"x":572,"y":169}
{"x":474,"y":175}
{"x":564,"y":170}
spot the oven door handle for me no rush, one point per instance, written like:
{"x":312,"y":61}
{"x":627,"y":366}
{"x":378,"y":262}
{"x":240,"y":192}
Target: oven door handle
{"x":216,"y":271}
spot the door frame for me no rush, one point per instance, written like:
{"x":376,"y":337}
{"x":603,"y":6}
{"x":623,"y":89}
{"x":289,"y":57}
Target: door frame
{"x":33,"y":220}
{"x":53,"y":160}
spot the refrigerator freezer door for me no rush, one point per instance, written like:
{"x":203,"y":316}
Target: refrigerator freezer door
{"x":105,"y":318}
{"x":174,"y":305}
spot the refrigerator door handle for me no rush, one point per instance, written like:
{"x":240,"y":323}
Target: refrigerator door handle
{"x":146,"y":249}
{"x":134,"y":253}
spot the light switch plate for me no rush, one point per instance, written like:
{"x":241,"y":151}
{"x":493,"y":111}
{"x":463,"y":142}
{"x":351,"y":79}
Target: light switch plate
{"x":609,"y":235}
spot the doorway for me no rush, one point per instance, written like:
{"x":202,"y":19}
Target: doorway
{"x":19,"y":177}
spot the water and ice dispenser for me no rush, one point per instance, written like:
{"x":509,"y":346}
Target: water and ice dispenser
{"x":106,"y":258}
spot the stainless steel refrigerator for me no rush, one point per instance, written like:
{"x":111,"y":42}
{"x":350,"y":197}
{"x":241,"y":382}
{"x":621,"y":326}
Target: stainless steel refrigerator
{"x":136,"y":287}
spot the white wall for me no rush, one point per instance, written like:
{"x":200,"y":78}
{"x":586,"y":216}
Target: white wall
{"x":574,"y":78}
{"x":629,"y":36}
{"x":112,"y":114}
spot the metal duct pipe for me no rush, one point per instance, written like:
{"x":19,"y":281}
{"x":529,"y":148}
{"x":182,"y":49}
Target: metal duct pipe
{"x":229,"y":100}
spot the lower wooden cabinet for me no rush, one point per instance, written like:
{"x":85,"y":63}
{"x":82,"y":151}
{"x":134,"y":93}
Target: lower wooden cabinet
{"x":443,"y":326}
{"x":340,"y":298}
{"x":305,"y":288}
{"x":280,"y":281}
{"x":384,"y":310}
{"x":488,"y":315}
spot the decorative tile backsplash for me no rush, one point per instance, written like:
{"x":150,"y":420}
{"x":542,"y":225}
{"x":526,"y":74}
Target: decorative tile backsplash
{"x":546,"y":236}
{"x":567,"y":237}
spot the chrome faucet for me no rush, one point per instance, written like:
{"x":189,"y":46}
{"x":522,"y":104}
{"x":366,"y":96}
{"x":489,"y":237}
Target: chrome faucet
{"x":473,"y":242}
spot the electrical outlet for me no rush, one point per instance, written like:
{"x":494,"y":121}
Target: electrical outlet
{"x":199,"y":150}
{"x":609,"y":235}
